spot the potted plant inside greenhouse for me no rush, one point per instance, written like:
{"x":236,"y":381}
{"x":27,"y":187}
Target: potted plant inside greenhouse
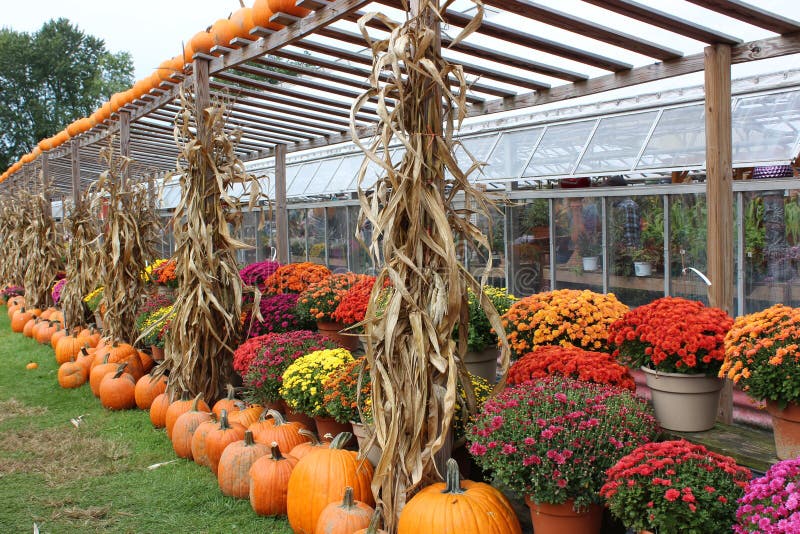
{"x":643,"y":260}
{"x":589,"y":248}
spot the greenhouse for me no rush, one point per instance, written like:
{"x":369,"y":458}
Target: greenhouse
{"x":409,"y":266}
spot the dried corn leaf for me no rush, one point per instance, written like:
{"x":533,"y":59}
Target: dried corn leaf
{"x":43,"y":250}
{"x":84,"y":265}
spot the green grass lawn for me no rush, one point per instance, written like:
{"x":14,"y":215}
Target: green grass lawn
{"x":95,"y":478}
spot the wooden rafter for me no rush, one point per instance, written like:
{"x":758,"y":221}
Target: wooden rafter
{"x":751,"y":15}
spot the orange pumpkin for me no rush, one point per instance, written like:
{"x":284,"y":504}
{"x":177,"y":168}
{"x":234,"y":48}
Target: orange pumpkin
{"x":14,"y":304}
{"x":298,"y":451}
{"x":67,"y":349}
{"x":220,"y":437}
{"x":147,"y":389}
{"x":56,"y":337}
{"x":184,"y":427}
{"x":199,"y":454}
{"x":372,"y":528}
{"x":89,"y":337}
{"x":269,"y":482}
{"x":242,"y":20}
{"x":85,"y":360}
{"x":179,"y":407}
{"x":458,"y":506}
{"x":27,"y":330}
{"x":320,"y":478}
{"x":46,"y":331}
{"x":147,"y":361}
{"x":344,"y":518}
{"x":223,"y":30}
{"x":117,"y":389}
{"x":20,"y":319}
{"x":246,"y":417}
{"x":97,"y":374}
{"x":71,"y":375}
{"x":31,"y":366}
{"x":229,"y":403}
{"x":261,"y":15}
{"x":233,"y":471}
{"x":125,"y":353}
{"x":58,"y":317}
{"x":287,"y":6}
{"x":285,"y":433}
{"x":202,"y":42}
{"x":158,"y":410}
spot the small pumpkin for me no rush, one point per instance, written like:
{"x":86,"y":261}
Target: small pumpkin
{"x":321,"y":477}
{"x":184,"y":427}
{"x":372,"y":528}
{"x":247,"y":416}
{"x":234,"y":465}
{"x":458,"y":506}
{"x":199,"y":454}
{"x":298,"y":451}
{"x":31,"y":366}
{"x":148,"y":388}
{"x":27,"y":330}
{"x":285,"y":433}
{"x":20,"y":319}
{"x":98,"y":373}
{"x":147,"y":361}
{"x":56,"y":337}
{"x":287,"y":6}
{"x":125,"y":353}
{"x":71,"y":375}
{"x":89,"y":336}
{"x":179,"y":407}
{"x":85,"y":360}
{"x":269,"y":482}
{"x":229,"y":403}
{"x":220,"y":437}
{"x":158,"y":410}
{"x":344,"y":518}
{"x":117,"y":390}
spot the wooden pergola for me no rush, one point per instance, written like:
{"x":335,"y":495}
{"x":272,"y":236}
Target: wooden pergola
{"x":306,"y":103}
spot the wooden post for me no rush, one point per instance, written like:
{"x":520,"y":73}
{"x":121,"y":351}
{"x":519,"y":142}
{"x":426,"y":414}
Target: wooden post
{"x":46,"y":182}
{"x":281,"y":212}
{"x":719,"y":190}
{"x":76,"y":173}
{"x":125,"y":142}
{"x":202,"y":94}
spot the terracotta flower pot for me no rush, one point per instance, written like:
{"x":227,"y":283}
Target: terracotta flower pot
{"x":562,"y":518}
{"x":331,"y":330}
{"x":329,"y":425}
{"x":483,"y":363}
{"x":684,"y":403}
{"x":786,"y":429}
{"x":157,"y":353}
{"x":291,"y":415}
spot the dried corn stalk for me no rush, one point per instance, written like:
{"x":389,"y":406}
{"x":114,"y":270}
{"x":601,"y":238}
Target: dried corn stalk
{"x":206,"y":327}
{"x":12,"y":261}
{"x":43,"y":251}
{"x":129,"y":238}
{"x":414,"y":362}
{"x":84,"y":265}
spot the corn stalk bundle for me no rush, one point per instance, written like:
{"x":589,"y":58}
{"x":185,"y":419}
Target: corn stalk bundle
{"x":206,"y":325}
{"x":84,"y":266}
{"x":415,"y":364}
{"x":43,"y":251}
{"x":128,"y":245}
{"x":12,"y":261}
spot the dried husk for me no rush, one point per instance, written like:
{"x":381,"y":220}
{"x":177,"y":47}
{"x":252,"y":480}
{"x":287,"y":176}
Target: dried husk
{"x":129,"y":244}
{"x":43,"y":250}
{"x":12,"y":229}
{"x":415,"y":365}
{"x":206,"y":325}
{"x":84,"y":265}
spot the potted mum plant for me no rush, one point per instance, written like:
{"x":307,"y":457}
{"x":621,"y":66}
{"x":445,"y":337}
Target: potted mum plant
{"x":353,"y":304}
{"x":481,"y":357}
{"x":771,"y":504}
{"x":261,"y":361}
{"x":762,"y":356}
{"x":679,"y":345}
{"x":588,"y":366}
{"x":303,"y":387}
{"x":553,"y":440}
{"x":320,"y":300}
{"x":154,"y":329}
{"x":578,"y":318}
{"x":675,"y":486}
{"x":295,"y":277}
{"x":278,"y":314}
{"x":589,"y":247}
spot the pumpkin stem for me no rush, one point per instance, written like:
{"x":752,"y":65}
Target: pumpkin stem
{"x":223,"y":420}
{"x":276,"y":452}
{"x":184,"y":395}
{"x":248,"y":438}
{"x":231,"y":392}
{"x":84,"y":351}
{"x":347,"y":502}
{"x":373,"y":522}
{"x":453,"y":478}
{"x":311,"y":436}
{"x":120,"y":370}
{"x":276,"y":415}
{"x":193,"y":408}
{"x":341,"y":440}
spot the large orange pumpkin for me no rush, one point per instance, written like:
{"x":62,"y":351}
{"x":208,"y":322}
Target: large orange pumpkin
{"x":233,"y":471}
{"x":223,"y":30}
{"x":229,"y":403}
{"x":344,"y":517}
{"x":147,"y":389}
{"x":98,"y":373}
{"x":287,"y":6}
{"x":285,"y":433}
{"x":179,"y":407}
{"x":125,"y":353}
{"x":67,"y":349}
{"x":89,"y":336}
{"x":246,"y":417}
{"x":220,"y":437}
{"x":56,"y":337}
{"x":20,"y":319}
{"x":261,"y":15}
{"x":321,"y":477}
{"x":85,"y":360}
{"x":202,"y":42}
{"x":71,"y":375}
{"x":458,"y":506}
{"x":269,"y":482}
{"x":298,"y":451}
{"x":117,"y":389}
{"x":242,"y":20}
{"x":27,"y":330}
{"x":184,"y":427}
{"x":158,"y":410}
{"x":199,"y":454}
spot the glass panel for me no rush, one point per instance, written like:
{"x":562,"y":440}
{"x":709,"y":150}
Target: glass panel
{"x":297,"y":235}
{"x":559,"y":148}
{"x":687,"y":243}
{"x":247,"y":234}
{"x":316,"y":235}
{"x":267,"y":238}
{"x":766,"y":128}
{"x":579,"y":244}
{"x":511,"y":154}
{"x":374,"y":171}
{"x":360,"y":261}
{"x":636,"y":241}
{"x":616,"y":143}
{"x":337,"y":238}
{"x":325,"y":171}
{"x":304,"y":175}
{"x":679,"y":139}
{"x":772,"y":249}
{"x":529,"y":249}
{"x":478,"y":258}
{"x":478,"y":147}
{"x":344,"y":178}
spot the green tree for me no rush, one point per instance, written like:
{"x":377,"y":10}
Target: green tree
{"x":50,"y":78}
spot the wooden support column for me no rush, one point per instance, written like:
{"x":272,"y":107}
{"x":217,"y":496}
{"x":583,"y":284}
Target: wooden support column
{"x":76,"y":173}
{"x":202,"y":93}
{"x":45,"y":159}
{"x":719,"y":191}
{"x":125,"y":142}
{"x":281,"y":211}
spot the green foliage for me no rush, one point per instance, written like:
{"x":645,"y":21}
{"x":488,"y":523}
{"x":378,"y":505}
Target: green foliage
{"x":49,"y":78}
{"x":754,"y":234}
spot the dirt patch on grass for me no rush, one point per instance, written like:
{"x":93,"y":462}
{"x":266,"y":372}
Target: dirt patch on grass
{"x":14,"y":408}
{"x":60,"y":455}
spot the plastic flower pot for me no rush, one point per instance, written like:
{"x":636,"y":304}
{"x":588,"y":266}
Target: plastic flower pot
{"x":483,"y":363}
{"x":684,"y":402}
{"x":642,"y":268}
{"x":590,"y":263}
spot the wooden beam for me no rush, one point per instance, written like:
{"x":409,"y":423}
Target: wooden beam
{"x":281,"y":212}
{"x":751,"y":14}
{"x":719,"y":189}
{"x":565,"y":21}
{"x":46,"y":179}
{"x":76,"y":172}
{"x":125,"y":142}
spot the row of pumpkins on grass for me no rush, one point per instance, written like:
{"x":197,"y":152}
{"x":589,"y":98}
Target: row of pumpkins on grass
{"x":282,"y":467}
